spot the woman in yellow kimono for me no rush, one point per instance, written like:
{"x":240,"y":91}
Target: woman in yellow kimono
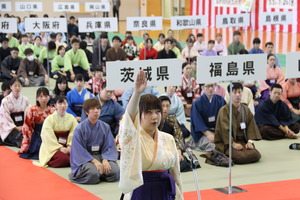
{"x":149,"y":159}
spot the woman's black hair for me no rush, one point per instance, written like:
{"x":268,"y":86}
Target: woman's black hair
{"x":61,"y":79}
{"x":44,"y":91}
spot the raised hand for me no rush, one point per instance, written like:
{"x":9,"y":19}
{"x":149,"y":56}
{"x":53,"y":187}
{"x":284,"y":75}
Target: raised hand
{"x":140,"y":82}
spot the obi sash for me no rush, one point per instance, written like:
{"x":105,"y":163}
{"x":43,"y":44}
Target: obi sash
{"x":18,"y":118}
{"x":62,"y":137}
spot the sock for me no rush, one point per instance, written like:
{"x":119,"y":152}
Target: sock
{"x":295,"y":146}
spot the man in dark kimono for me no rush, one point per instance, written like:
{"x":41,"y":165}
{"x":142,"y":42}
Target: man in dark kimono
{"x":93,"y":154}
{"x":274,"y":117}
{"x":244,"y":129}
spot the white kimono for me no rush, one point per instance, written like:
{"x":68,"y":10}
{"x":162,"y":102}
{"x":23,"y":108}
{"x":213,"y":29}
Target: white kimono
{"x":11,"y":105}
{"x":140,"y":152}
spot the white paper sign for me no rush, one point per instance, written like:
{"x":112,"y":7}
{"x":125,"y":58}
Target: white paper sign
{"x":293,"y":65}
{"x":33,"y":25}
{"x":228,"y":3}
{"x":65,"y":7}
{"x":188,"y":22}
{"x":5,"y":6}
{"x":283,"y":4}
{"x":97,"y":24}
{"x":234,"y":20}
{"x":143,"y":23}
{"x":270,"y":18}
{"x":231,"y":68}
{"x":8,"y":25}
{"x":162,"y":72}
{"x":95,"y":6}
{"x":29,"y":6}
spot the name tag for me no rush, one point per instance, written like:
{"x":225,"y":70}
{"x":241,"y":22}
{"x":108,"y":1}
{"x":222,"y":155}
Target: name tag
{"x":50,"y":61}
{"x":30,"y":73}
{"x":13,"y":71}
{"x":95,"y":148}
{"x":62,"y":140}
{"x":75,"y":65}
{"x":104,"y":58}
{"x":211,"y":119}
{"x":190,"y":94}
{"x":119,"y":98}
{"x":18,"y":118}
{"x":273,"y":81}
{"x":86,"y":96}
{"x":62,"y":69}
{"x":243,"y":125}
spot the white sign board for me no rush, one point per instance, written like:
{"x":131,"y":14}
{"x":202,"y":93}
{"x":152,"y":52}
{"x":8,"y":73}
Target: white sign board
{"x":234,"y":20}
{"x":283,"y":4}
{"x":293,"y":65}
{"x":270,"y":18}
{"x":33,"y":25}
{"x":144,"y":23}
{"x":8,"y":25}
{"x":231,"y":68}
{"x":98,"y":7}
{"x":97,"y":24}
{"x":66,"y":7}
{"x":188,"y":22}
{"x":29,"y":6}
{"x":164,"y":72}
{"x":5,"y":6}
{"x":228,"y":3}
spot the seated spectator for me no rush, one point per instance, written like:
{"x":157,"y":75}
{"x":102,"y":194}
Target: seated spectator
{"x":77,"y":96}
{"x":10,"y":65}
{"x":151,"y":53}
{"x":290,"y":95}
{"x":166,"y":52}
{"x":5,"y":87}
{"x":94,"y":85}
{"x":47,"y":55}
{"x":189,"y":51}
{"x":192,"y":37}
{"x":219,"y":90}
{"x":116,"y":52}
{"x":88,"y":53}
{"x":24,"y":45}
{"x":209,"y":50}
{"x":127,"y":33}
{"x":72,"y":36}
{"x":76,"y":62}
{"x":31,"y":72}
{"x":171,"y":37}
{"x":175,"y":49}
{"x":274,"y":75}
{"x":59,"y":40}
{"x":93,"y":154}
{"x":193,"y":63}
{"x":130,"y":49}
{"x":128,"y":93}
{"x":37,"y":47}
{"x":219,"y":46}
{"x":177,"y":109}
{"x":45,"y":38}
{"x":269,"y":50}
{"x":61,"y":88}
{"x":145,"y":37}
{"x":256,"y":50}
{"x":102,"y":43}
{"x":12,"y":41}
{"x":204,"y":114}
{"x":244,"y":129}
{"x":189,"y":91}
{"x":200,"y":45}
{"x":12,"y":113}
{"x":57,"y":134}
{"x":235,"y":47}
{"x":159,"y":45}
{"x":274,"y":117}
{"x":57,"y":64}
{"x":4,"y":50}
{"x":111,"y":111}
{"x":34,"y":119}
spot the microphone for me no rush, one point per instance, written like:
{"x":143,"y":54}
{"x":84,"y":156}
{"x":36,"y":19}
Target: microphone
{"x":190,"y":153}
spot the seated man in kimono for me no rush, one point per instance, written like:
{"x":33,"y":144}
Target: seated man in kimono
{"x":111,"y":111}
{"x":77,"y":96}
{"x":76,"y":62}
{"x":10,"y":65}
{"x":204,"y":114}
{"x":93,"y":154}
{"x":244,"y":129}
{"x":274,"y":117}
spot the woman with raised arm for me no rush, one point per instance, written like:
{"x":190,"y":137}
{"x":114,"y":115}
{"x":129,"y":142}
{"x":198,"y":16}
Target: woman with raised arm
{"x":149,"y":159}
